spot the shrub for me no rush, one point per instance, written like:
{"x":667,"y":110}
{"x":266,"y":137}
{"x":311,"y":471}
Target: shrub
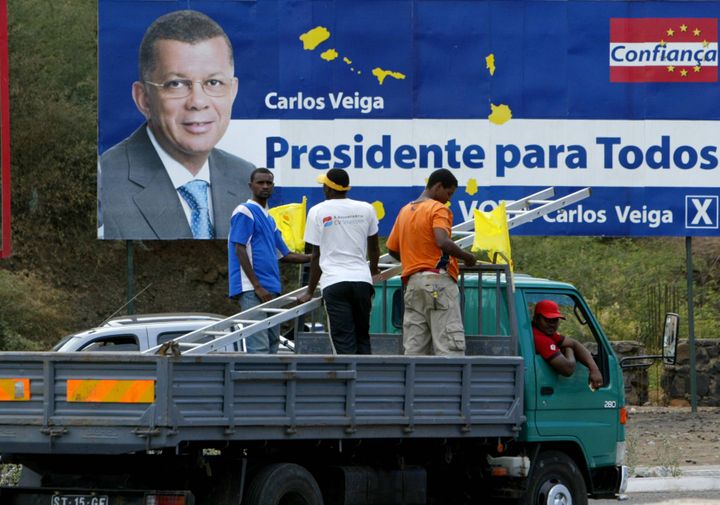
{"x":31,"y":314}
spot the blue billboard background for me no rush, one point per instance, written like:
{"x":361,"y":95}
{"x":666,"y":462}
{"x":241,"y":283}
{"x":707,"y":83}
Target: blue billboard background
{"x":552,"y":64}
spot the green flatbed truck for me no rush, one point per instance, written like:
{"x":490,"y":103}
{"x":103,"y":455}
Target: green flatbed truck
{"x":315,"y":428}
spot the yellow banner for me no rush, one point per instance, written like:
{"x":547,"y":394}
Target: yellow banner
{"x":290,"y":220}
{"x":492,"y":234}
{"x":110,"y":391}
{"x":14,"y":390}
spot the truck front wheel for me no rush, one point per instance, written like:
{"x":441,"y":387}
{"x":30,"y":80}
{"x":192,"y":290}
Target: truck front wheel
{"x":284,"y":484}
{"x":556,"y":480}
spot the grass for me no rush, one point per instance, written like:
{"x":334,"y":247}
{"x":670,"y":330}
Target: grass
{"x":631,"y":456}
{"x":669,"y":459}
{"x":9,"y":475}
{"x":656,"y":395}
{"x":666,"y":459}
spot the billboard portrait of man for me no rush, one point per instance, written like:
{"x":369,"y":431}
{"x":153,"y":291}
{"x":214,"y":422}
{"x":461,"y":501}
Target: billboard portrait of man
{"x":167,"y":180}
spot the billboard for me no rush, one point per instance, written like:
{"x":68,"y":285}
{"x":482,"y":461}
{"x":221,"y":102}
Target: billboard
{"x":5,"y":244}
{"x":512,"y":96}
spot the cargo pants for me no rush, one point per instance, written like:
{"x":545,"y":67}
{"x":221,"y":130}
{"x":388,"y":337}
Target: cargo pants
{"x":432,"y":323}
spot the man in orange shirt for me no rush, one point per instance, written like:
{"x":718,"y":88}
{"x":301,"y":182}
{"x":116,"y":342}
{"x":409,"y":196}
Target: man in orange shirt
{"x":421,"y":240}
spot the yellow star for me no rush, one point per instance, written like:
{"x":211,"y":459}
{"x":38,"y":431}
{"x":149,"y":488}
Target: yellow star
{"x":671,"y":68}
{"x":683,"y":28}
{"x":683,"y":72}
{"x":662,"y":43}
{"x":696,"y":32}
{"x":705,"y":43}
{"x":696,"y":68}
{"x":670,"y":32}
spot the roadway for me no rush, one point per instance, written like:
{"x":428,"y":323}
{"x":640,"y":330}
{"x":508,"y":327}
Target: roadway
{"x":694,"y":485}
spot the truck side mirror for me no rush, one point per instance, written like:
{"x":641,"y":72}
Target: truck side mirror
{"x":670,"y":338}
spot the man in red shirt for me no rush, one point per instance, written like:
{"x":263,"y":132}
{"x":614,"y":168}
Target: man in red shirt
{"x":560,"y":352}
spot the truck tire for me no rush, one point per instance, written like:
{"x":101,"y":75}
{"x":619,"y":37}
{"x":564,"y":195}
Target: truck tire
{"x":284,"y":484}
{"x":555,"y":480}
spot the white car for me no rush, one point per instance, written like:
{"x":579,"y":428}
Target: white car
{"x":137,"y":333}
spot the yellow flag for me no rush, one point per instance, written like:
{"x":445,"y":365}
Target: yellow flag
{"x":290,"y":220}
{"x":492,"y":234}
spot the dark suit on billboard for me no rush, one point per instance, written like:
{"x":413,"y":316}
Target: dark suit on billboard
{"x":139,"y":201}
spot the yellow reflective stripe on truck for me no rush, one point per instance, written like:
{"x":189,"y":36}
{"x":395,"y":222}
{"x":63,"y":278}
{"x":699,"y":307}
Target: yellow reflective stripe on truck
{"x":14,"y":390}
{"x":110,"y":391}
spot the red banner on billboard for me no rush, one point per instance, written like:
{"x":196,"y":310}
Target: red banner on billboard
{"x":4,"y":137}
{"x":663,"y":50}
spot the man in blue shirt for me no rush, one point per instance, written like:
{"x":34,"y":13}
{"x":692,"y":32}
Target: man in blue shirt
{"x":254,"y":246}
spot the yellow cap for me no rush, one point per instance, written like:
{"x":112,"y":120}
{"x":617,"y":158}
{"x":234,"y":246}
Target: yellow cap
{"x":323,"y":179}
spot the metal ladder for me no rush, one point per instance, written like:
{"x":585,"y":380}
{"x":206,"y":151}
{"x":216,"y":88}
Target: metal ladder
{"x":222,"y":334}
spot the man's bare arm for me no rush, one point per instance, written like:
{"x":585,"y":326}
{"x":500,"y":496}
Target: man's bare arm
{"x":244,"y":260}
{"x":293,"y":257}
{"x":564,"y":362}
{"x":373,"y":246}
{"x":583,"y":356}
{"x":446,"y":245}
{"x":315,"y":273}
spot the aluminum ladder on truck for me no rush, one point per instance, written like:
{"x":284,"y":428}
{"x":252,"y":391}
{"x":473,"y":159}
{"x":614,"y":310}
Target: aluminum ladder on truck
{"x":219,"y":335}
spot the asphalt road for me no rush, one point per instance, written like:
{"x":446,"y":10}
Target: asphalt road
{"x":667,"y":498}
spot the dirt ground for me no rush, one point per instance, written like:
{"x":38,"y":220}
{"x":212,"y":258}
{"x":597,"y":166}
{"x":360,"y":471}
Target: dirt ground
{"x":672,"y":437}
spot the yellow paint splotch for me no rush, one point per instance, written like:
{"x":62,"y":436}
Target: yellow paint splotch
{"x":379,"y":209}
{"x":313,"y":38}
{"x":329,"y":55}
{"x":500,"y":114}
{"x":347,"y":60}
{"x":471,"y":187}
{"x":490,"y":63}
{"x":382,"y":74}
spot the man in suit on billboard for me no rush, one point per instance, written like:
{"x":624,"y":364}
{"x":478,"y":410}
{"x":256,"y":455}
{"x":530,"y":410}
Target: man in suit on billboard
{"x":167,"y":180}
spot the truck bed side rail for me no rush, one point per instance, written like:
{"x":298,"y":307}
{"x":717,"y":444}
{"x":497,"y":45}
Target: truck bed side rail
{"x":226,"y":398}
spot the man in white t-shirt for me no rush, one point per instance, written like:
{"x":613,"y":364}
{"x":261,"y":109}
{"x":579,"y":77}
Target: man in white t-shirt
{"x":344,"y":234}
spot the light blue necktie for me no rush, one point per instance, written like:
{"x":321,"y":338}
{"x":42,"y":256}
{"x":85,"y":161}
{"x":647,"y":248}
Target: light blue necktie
{"x":195,"y":194}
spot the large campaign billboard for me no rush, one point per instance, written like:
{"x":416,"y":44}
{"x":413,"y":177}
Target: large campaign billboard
{"x":513,"y":96}
{"x":5,"y":244}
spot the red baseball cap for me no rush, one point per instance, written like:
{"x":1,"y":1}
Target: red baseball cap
{"x":548,"y":309}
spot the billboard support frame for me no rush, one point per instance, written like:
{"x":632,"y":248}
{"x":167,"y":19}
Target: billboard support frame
{"x":5,"y":215}
{"x":691,"y":325}
{"x":130,"y":277}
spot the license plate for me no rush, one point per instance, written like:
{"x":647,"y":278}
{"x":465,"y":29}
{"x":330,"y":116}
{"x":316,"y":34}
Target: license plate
{"x":79,"y":499}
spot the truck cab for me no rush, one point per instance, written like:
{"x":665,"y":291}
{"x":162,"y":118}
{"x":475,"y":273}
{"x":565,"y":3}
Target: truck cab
{"x":568,"y":424}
